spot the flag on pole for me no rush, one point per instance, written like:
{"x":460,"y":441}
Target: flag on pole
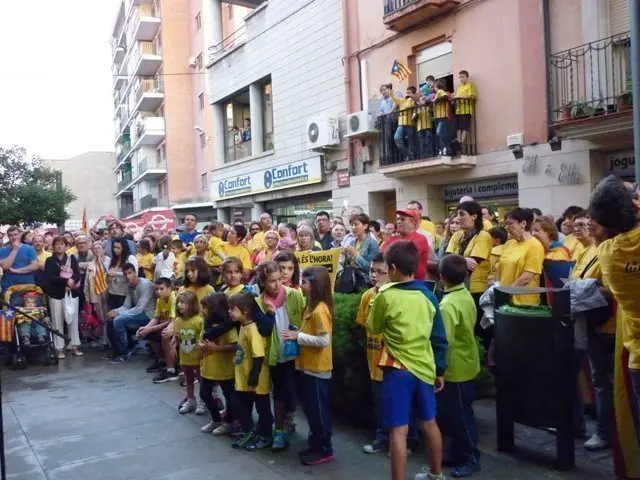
{"x":400,"y":71}
{"x":100,"y":283}
{"x":85,"y":227}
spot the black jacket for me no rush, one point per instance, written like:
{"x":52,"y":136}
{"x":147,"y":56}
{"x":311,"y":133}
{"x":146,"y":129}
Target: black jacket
{"x":55,"y":286}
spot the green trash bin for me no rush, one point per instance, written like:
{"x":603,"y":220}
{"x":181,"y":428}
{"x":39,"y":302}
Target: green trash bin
{"x":534,"y":372}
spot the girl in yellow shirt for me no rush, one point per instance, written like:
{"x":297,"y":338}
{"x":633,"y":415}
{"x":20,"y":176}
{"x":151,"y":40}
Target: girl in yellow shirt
{"x":314,"y":363}
{"x":145,"y":258}
{"x":196,"y":278}
{"x":232,"y":275}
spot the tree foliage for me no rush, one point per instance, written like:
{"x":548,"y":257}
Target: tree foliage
{"x":30,"y":192}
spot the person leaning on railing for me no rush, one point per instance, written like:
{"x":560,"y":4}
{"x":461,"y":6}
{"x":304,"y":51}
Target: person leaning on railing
{"x":406,"y":131}
{"x":465,"y":99}
{"x":387,"y":122}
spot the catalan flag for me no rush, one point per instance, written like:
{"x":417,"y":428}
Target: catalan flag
{"x":85,"y":226}
{"x":100,"y":283}
{"x":6,"y":325}
{"x":400,"y":71}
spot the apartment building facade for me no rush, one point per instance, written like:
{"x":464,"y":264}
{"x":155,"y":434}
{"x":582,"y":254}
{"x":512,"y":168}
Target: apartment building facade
{"x":530,"y":62}
{"x":162,"y":118}
{"x":277,"y":91}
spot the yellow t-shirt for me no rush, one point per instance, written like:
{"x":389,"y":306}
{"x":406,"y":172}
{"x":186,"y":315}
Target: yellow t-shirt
{"x":480,"y":247}
{"x":404,"y":118}
{"x":189,"y":332}
{"x":229,"y":291}
{"x":424,"y":118}
{"x":238,"y":251}
{"x":257,"y":242}
{"x":374,"y":342}
{"x":219,"y":365}
{"x":517,"y":258}
{"x":466,"y":91}
{"x":251,"y":345}
{"x":486,"y":224}
{"x":441,"y":105}
{"x":42,"y":257}
{"x":215,"y":250}
{"x":166,"y":308}
{"x":620,"y":264}
{"x":313,"y":359}
{"x":146,"y":261}
{"x":428,"y":226}
{"x":179,"y":264}
{"x":200,"y":292}
{"x":574,"y":245}
{"x":496,"y":252}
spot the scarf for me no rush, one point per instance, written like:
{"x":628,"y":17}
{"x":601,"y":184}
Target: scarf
{"x":279,"y":299}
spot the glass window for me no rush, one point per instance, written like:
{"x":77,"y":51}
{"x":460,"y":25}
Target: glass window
{"x":198,"y":21}
{"x":203,"y":141}
{"x":203,"y":182}
{"x":267,"y":117}
{"x":238,"y":138}
{"x":201,"y":100}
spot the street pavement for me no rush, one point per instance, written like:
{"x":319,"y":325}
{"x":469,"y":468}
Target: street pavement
{"x":87,"y":420}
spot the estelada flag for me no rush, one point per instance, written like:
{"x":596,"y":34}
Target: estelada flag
{"x":85,"y":227}
{"x":400,"y":71}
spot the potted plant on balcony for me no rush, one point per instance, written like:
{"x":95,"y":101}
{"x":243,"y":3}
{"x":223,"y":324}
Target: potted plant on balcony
{"x":581,"y":109}
{"x":625,"y":101}
{"x":565,"y":111}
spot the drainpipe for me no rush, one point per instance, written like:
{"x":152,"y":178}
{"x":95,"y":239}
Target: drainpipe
{"x":635,"y":80}
{"x":546,"y":16}
{"x":347,"y":78}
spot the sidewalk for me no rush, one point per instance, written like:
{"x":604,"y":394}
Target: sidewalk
{"x":87,"y":420}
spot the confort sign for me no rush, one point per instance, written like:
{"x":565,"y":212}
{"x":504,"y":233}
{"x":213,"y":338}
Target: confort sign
{"x":294,"y":174}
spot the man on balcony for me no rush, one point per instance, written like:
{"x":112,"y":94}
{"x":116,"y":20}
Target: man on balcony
{"x":465,"y":99}
{"x":386,"y":121}
{"x":406,"y":131}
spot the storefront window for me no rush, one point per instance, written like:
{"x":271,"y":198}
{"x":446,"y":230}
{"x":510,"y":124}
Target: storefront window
{"x":293,"y":210}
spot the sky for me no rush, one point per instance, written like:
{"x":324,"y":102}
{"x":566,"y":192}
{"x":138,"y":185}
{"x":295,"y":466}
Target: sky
{"x":55,"y":76}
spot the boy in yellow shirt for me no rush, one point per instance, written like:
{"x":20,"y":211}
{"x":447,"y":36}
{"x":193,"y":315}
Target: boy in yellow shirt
{"x":145,"y":258}
{"x":406,"y":131}
{"x":465,"y":106}
{"x":216,"y":250}
{"x":442,"y":117}
{"x":181,"y":253}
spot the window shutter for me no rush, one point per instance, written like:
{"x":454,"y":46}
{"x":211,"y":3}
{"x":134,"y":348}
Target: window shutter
{"x":619,"y":15}
{"x":436,"y":61}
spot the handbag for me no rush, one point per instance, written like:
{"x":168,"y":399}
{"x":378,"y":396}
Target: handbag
{"x":350,"y":280}
{"x":66,"y":271}
{"x":70,"y":307}
{"x":291,"y":347}
{"x":598,"y":316}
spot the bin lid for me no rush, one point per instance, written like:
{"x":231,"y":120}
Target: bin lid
{"x":538,"y":311}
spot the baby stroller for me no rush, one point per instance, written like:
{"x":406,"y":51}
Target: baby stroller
{"x":25,"y":326}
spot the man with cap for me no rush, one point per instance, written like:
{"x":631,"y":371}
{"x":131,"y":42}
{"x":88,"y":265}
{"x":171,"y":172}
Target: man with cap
{"x":407,"y":222}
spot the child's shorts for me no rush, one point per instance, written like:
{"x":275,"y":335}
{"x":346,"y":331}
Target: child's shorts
{"x":404,"y":393}
{"x":463,"y":122}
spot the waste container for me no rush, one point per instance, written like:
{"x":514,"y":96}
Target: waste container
{"x":535,"y":374}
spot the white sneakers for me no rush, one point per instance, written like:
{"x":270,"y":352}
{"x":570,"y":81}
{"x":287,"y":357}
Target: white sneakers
{"x":188,"y":406}
{"x":200,"y":408}
{"x":210,"y":427}
{"x":425,"y":474}
{"x":596,"y":443}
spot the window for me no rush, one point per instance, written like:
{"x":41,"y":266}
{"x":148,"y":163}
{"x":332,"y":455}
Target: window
{"x":267,"y":117}
{"x":203,"y":182}
{"x":237,"y":143}
{"x":198,"y":21}
{"x":230,"y":7}
{"x":199,"y":61}
{"x":201,"y":100}
{"x":203,"y":141}
{"x":162,"y":189}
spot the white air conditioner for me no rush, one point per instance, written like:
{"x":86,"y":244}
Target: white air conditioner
{"x":361,"y":123}
{"x":322,"y":132}
{"x":192,"y":62}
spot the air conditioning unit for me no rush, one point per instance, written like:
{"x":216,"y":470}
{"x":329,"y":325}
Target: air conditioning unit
{"x":192,"y":62}
{"x":515,"y":139}
{"x":322,"y":132}
{"x":360,"y":124}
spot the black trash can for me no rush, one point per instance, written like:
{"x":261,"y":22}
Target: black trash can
{"x":535,"y":372}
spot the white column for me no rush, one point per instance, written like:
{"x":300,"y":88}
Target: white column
{"x":212,"y":24}
{"x":223,"y":215}
{"x":256,"y":210}
{"x":219,"y":133}
{"x":255,"y":105}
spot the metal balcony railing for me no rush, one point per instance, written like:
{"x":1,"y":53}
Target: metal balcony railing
{"x":591,"y":79}
{"x":149,"y":86}
{"x":234,"y":39}
{"x":427,"y":131}
{"x":124,"y":181}
{"x":121,"y":151}
{"x":392,"y":6}
{"x":125,"y":211}
{"x":150,"y":201}
{"x":149,"y":163}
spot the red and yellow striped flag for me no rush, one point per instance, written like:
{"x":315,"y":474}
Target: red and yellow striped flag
{"x":100,"y":283}
{"x":85,"y":226}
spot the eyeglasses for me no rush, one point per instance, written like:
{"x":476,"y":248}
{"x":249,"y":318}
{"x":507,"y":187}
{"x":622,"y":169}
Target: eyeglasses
{"x":580,"y":224}
{"x":378,"y":271}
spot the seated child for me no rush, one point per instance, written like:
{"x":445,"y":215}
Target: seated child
{"x":27,"y":328}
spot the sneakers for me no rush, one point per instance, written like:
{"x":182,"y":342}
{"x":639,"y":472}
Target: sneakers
{"x":289,"y":424}
{"x":374,"y":447}
{"x":243,"y":441}
{"x":166,"y":376}
{"x":108,"y":356}
{"x":211,"y":427}
{"x":280,"y":441}
{"x":60,"y":354}
{"x":596,"y":443}
{"x":200,"y":408}
{"x":258,"y":442}
{"x":188,"y":406}
{"x":312,"y":457}
{"x":466,"y":470}
{"x":156,"y":366}
{"x":121,"y":359}
{"x":221,"y":429}
{"x":426,"y":474}
{"x":42,"y":340}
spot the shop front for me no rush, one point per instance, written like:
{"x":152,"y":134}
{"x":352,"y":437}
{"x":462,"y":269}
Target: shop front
{"x":621,"y":163}
{"x":289,"y":192}
{"x":499,"y":194}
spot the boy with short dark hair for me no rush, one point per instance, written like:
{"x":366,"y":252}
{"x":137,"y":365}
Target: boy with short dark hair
{"x":465,"y":106}
{"x":413,"y":358}
{"x":455,"y":401}
{"x":442,"y":118}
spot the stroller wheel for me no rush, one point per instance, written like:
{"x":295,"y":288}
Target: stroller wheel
{"x":19,"y":362}
{"x":52,"y":357}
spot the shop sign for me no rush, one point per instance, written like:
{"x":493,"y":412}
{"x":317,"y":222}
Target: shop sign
{"x":621,"y":163}
{"x":344,"y":178}
{"x":500,"y":187}
{"x":288,"y":175}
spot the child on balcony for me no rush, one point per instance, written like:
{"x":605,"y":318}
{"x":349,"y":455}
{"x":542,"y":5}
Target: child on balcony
{"x":442,"y":117}
{"x":406,"y":131}
{"x":465,"y":106}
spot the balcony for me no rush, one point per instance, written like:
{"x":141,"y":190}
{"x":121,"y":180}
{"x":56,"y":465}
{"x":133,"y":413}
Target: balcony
{"x":125,"y":211}
{"x":420,"y":146}
{"x":145,"y":23}
{"x":149,"y":95}
{"x":146,"y":59}
{"x":147,"y":131}
{"x":400,"y":15}
{"x":123,"y":152}
{"x":150,"y":168}
{"x":245,"y":3}
{"x":150,"y":201}
{"x":124,"y":183}
{"x":590,"y":90}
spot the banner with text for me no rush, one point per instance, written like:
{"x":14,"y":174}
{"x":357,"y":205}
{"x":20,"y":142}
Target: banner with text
{"x":288,"y":175}
{"x":325,"y":258}
{"x":499,"y":187}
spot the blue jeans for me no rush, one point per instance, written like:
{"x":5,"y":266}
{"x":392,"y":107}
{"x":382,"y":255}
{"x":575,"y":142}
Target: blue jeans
{"x":314,"y":393}
{"x":120,"y":325}
{"x":406,"y":147}
{"x":600,"y":352}
{"x":635,"y":380}
{"x":31,"y":330}
{"x":382,"y":433}
{"x":455,"y":414}
{"x":443,"y":131}
{"x":425,"y":143}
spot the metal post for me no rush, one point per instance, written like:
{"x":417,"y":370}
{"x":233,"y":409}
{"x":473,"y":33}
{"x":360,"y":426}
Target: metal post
{"x":634,"y":12}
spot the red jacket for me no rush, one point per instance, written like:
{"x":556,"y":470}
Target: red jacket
{"x":419,"y":241}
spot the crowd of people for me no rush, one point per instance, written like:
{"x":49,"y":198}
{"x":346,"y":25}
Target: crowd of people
{"x":229,"y":309}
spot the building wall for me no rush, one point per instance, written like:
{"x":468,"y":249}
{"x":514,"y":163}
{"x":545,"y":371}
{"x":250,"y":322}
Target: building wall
{"x":90,"y":177}
{"x":306,"y":81}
